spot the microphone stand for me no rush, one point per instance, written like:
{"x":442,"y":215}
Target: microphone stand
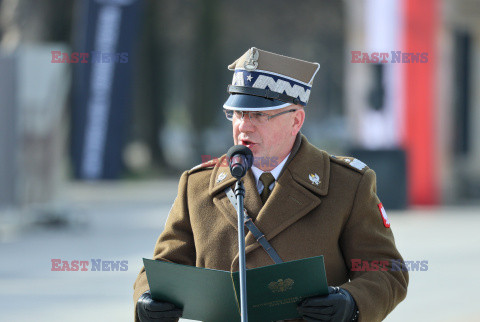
{"x":240,"y":194}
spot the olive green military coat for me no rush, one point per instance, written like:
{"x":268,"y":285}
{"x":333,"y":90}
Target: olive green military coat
{"x":337,"y":217}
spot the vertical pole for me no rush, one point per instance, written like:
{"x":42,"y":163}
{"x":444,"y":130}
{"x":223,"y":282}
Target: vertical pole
{"x":240,"y":193}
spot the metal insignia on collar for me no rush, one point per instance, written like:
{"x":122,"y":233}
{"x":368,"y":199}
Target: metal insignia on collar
{"x":314,"y":178}
{"x":221,"y":176}
{"x":251,"y":63}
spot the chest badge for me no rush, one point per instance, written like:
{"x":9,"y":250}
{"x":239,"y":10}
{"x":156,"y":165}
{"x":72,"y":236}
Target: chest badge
{"x":314,"y":178}
{"x":221,"y":176}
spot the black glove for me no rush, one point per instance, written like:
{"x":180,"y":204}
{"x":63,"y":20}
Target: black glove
{"x":337,"y":306}
{"x":150,"y":310}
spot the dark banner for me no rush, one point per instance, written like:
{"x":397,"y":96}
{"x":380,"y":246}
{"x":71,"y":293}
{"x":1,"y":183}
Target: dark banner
{"x":106,"y":33}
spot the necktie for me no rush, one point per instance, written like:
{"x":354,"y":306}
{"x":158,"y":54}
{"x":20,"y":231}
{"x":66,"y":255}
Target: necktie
{"x":267,"y":179}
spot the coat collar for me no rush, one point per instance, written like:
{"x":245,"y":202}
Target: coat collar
{"x":310,"y":160}
{"x":306,"y":164}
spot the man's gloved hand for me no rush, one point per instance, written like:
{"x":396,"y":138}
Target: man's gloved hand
{"x":337,"y":306}
{"x":150,"y":310}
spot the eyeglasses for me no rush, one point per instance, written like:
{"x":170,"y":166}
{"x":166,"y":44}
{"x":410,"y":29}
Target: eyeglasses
{"x":257,"y":118}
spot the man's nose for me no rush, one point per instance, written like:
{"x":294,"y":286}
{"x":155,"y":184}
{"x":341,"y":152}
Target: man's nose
{"x":245,"y":123}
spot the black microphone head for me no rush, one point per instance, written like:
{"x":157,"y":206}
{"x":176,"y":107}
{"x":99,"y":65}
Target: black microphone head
{"x":240,"y":160}
{"x":242,"y":150}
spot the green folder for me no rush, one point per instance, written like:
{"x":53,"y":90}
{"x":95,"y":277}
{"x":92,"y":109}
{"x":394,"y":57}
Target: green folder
{"x":209,"y":295}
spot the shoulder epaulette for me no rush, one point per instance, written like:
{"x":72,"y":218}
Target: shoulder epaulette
{"x":208,"y":165}
{"x":350,"y":163}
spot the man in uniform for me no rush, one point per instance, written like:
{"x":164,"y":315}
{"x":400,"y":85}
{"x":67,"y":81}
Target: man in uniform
{"x":305,"y":201}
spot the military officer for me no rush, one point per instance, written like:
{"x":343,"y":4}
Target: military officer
{"x":305,"y":201}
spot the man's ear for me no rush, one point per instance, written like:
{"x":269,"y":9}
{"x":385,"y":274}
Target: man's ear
{"x":298,"y":119}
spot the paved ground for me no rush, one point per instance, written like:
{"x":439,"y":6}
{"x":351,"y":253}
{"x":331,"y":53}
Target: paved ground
{"x":112,"y":222}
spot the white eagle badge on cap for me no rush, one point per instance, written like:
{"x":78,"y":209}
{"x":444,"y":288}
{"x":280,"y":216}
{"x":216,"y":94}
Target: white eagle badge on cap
{"x":251,"y":63}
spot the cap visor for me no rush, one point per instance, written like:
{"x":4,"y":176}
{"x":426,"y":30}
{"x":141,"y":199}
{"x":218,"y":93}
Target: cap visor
{"x":252,"y":103}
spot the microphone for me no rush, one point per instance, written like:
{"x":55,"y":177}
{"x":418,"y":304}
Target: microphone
{"x":240,"y":159}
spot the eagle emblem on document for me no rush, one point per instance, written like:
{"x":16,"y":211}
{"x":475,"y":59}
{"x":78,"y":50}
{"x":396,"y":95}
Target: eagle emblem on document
{"x":281,"y":285}
{"x":251,"y":63}
{"x":314,"y":178}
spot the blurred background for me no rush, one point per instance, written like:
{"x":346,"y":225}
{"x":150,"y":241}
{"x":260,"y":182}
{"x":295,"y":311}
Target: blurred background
{"x":91,"y":147}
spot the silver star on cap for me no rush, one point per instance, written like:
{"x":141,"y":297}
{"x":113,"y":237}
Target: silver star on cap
{"x":249,"y":78}
{"x":221,"y":176}
{"x":314,"y":178}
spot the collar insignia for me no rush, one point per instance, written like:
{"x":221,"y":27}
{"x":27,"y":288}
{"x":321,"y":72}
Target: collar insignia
{"x":314,"y":178}
{"x":221,"y":176}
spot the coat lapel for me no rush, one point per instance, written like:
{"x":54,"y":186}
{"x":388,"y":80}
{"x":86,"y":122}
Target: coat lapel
{"x":253,"y":203}
{"x":221,"y":179}
{"x":295,"y":194}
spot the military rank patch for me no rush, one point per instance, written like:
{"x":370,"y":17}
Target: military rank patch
{"x":350,"y":162}
{"x":204,"y":165}
{"x":357,"y":164}
{"x":383,"y":213}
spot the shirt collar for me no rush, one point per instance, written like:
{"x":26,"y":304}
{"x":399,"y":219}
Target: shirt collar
{"x":275,"y":172}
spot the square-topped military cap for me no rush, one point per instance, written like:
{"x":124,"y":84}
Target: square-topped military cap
{"x":266,"y":81}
